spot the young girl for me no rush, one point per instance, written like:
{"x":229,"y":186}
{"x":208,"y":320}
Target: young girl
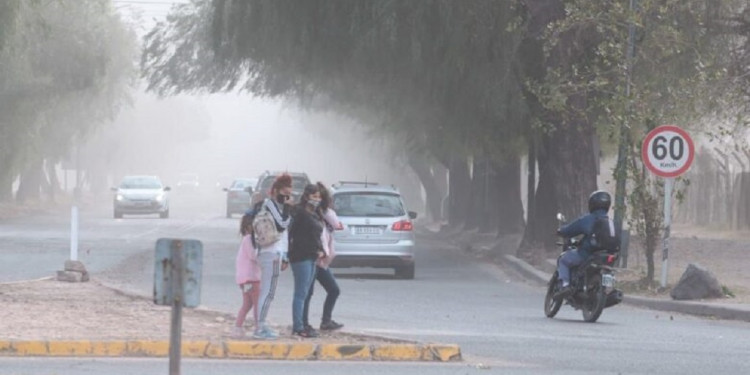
{"x":247,"y":275}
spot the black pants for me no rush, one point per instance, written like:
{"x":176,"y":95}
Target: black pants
{"x":326,"y":279}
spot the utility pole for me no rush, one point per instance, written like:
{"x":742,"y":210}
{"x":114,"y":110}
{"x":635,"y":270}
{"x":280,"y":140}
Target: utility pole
{"x":621,"y":170}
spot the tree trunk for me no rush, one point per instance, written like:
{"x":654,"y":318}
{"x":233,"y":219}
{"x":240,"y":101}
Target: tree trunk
{"x":54,"y":183}
{"x":440,"y":173}
{"x":459,"y":184}
{"x":478,"y":196}
{"x":507,"y":203}
{"x":433,"y":195}
{"x":30,"y":182}
{"x":540,"y":233}
{"x":6,"y":186}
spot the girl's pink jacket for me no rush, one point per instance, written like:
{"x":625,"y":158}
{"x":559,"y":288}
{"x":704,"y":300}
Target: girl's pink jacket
{"x":327,"y":238}
{"x":247,"y":266}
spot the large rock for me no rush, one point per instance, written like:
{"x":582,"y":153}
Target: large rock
{"x":75,"y":266}
{"x":697,"y":283}
{"x":70,"y":276}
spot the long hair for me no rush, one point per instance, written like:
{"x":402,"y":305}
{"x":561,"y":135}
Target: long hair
{"x":310,"y":189}
{"x":246,"y":224}
{"x":325,"y":197}
{"x":283,"y":181}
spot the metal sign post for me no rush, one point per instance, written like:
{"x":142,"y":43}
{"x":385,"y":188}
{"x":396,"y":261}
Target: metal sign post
{"x":668,"y":152}
{"x":175,"y":331}
{"x":668,"y":184}
{"x":177,"y":278}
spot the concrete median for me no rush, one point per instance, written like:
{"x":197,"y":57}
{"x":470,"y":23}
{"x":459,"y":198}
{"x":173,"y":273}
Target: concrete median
{"x":235,"y":350}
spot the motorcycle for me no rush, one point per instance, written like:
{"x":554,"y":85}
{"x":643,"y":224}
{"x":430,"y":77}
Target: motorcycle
{"x":593,"y":284}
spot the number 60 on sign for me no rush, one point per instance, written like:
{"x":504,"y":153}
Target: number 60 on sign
{"x":668,"y":151}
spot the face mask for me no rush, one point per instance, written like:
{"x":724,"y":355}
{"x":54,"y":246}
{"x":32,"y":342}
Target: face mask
{"x":314,"y":202}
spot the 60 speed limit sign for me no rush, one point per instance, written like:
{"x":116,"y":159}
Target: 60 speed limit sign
{"x":668,"y":151}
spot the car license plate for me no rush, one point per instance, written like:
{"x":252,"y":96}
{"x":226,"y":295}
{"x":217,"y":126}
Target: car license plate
{"x":366,"y":230}
{"x":608,"y":281}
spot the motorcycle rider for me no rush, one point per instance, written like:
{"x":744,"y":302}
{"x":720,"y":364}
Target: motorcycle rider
{"x":599,"y":204}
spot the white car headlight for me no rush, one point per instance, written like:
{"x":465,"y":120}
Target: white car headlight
{"x":160,"y":197}
{"x":119,"y":197}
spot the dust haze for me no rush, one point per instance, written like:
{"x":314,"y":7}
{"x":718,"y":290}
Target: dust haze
{"x":221,"y":137}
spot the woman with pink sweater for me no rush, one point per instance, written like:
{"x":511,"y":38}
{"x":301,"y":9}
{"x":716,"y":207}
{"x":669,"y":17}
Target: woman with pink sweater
{"x":247,"y":275}
{"x":322,"y":273}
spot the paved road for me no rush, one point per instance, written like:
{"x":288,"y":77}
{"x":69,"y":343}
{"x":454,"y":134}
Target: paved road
{"x":497,"y":320}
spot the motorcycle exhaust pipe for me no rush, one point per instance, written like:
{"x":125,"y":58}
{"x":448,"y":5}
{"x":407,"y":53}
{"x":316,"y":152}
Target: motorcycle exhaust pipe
{"x":613,"y":298}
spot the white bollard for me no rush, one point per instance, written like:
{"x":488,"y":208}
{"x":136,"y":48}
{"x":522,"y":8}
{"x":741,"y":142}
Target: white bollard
{"x":74,"y":233}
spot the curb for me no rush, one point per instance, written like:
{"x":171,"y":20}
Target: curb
{"x":235,"y":350}
{"x":716,"y":310}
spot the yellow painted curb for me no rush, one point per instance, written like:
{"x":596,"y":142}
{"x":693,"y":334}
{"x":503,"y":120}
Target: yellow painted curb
{"x":444,"y":353}
{"x":5,"y":347}
{"x":216,"y":350}
{"x":234,"y":349}
{"x":397,"y":352}
{"x":194,"y":349}
{"x":256,"y":350}
{"x":109,"y":348}
{"x":29,"y":348}
{"x":301,"y":351}
{"x":148,"y":348}
{"x":69,"y":348}
{"x":345,"y":352}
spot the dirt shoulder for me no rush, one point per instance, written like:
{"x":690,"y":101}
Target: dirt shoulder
{"x":725,"y":253}
{"x":52,"y":310}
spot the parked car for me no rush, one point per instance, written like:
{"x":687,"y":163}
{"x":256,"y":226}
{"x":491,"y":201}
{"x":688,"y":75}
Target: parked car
{"x":141,"y":195}
{"x":266,"y":179}
{"x":188,"y":182}
{"x":238,"y":195}
{"x":377,"y":229}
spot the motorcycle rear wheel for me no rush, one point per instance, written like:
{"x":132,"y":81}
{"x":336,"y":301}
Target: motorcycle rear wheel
{"x":592,"y":309}
{"x":552,"y":305}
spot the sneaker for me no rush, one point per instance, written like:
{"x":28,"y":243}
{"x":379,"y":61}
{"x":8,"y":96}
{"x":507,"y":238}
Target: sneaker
{"x":306,"y":333}
{"x":238,"y":332}
{"x":330,"y":326}
{"x":269,"y":332}
{"x":262,"y":334}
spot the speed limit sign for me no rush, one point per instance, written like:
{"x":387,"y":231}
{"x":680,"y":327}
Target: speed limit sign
{"x":668,"y":151}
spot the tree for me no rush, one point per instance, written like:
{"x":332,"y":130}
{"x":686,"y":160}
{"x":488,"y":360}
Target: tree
{"x":59,"y":80}
{"x":680,"y":68}
{"x":434,"y":74}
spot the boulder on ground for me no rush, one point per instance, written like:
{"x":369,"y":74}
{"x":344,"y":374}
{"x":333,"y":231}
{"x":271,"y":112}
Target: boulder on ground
{"x":75,"y":266}
{"x":697,"y":283}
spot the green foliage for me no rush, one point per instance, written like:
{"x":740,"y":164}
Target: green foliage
{"x":680,"y":67}
{"x":435,"y":75}
{"x":64,"y":70}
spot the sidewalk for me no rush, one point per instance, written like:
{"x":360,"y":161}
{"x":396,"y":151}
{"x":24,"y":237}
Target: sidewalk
{"x":50,"y":318}
{"x":501,"y":251}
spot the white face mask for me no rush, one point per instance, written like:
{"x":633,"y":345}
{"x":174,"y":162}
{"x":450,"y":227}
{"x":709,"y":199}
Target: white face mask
{"x":314,"y":202}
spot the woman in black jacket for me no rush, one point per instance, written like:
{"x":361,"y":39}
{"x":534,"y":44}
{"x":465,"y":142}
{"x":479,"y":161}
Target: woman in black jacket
{"x":305,"y":248}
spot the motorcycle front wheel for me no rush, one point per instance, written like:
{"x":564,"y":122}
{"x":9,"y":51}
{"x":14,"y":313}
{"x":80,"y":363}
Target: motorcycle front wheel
{"x":597,"y":298}
{"x":552,"y":305}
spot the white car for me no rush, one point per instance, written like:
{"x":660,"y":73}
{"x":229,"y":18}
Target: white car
{"x":377,"y":228}
{"x":141,"y":195}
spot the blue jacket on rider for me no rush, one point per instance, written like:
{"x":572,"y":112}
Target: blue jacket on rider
{"x":584,"y":225}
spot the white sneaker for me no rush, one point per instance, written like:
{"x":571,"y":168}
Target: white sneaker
{"x":238,"y":332}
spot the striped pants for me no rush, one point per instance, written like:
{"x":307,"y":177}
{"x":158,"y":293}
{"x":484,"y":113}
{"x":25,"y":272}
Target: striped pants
{"x":270,"y":267}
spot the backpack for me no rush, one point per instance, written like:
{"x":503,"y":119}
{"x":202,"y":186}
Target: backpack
{"x":264,"y":227}
{"x":603,"y":236}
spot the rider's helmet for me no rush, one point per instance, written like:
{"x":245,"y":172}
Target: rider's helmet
{"x":600,"y":200}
